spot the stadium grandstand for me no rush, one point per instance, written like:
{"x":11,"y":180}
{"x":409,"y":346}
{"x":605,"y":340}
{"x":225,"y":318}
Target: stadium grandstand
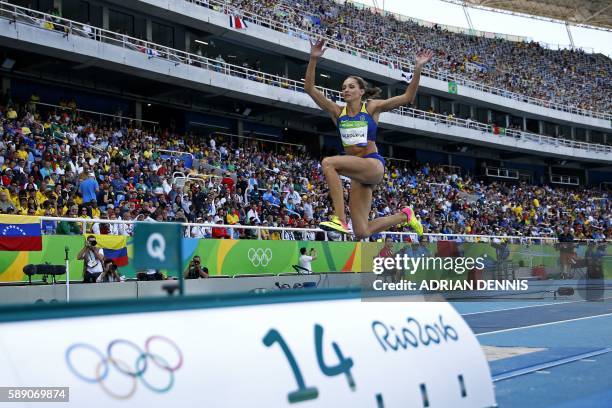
{"x":469,"y":168}
{"x":197,"y":114}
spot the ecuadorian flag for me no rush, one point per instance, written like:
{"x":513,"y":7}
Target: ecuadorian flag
{"x":114,"y":247}
{"x":20,"y":233}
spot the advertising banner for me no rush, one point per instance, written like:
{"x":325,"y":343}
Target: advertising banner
{"x":495,"y":260}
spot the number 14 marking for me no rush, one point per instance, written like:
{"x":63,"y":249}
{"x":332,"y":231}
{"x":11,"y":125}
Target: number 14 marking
{"x":304,"y":393}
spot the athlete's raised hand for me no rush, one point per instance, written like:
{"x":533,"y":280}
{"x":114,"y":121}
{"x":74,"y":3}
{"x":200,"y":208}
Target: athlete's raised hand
{"x":316,"y":48}
{"x":424,"y":57}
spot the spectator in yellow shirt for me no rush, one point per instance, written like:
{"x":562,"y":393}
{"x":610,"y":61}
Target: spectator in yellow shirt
{"x":40,"y":196}
{"x":11,"y":114}
{"x":22,"y":153}
{"x":22,"y":206}
{"x":265,"y":234}
{"x":95,"y":211}
{"x":232,"y":217}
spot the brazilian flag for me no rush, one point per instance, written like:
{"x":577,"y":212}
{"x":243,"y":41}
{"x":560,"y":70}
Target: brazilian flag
{"x":452,"y":87}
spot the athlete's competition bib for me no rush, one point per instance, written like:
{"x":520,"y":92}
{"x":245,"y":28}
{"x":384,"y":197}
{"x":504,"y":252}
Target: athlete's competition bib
{"x":354,"y":132}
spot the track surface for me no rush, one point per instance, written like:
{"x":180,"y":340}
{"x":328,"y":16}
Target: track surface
{"x":565,"y":329}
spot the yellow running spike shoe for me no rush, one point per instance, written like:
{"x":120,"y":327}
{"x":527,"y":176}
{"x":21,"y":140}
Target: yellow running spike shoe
{"x":334,"y":224}
{"x":412,"y":221}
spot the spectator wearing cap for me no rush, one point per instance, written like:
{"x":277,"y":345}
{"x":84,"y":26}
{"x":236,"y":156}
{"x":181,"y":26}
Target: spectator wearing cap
{"x":252,"y":233}
{"x":199,"y":231}
{"x":7,"y":176}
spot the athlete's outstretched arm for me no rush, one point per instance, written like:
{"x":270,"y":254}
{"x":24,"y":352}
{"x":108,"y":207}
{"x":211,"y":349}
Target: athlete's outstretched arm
{"x":378,"y":106}
{"x":316,"y":51}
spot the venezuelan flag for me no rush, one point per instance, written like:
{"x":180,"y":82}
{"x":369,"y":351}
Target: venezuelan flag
{"x":114,"y":247}
{"x":20,"y":233}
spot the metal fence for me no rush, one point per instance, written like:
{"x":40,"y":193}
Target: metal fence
{"x":204,"y":230}
{"x":100,"y":115}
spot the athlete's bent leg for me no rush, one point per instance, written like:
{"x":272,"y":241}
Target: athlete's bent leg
{"x":360,"y":203}
{"x":335,"y":186}
{"x":369,"y":171}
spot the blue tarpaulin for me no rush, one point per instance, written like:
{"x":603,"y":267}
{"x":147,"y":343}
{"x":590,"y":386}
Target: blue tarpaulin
{"x":184,"y":156}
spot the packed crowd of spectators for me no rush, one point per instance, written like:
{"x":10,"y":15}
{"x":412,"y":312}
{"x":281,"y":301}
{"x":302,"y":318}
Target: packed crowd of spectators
{"x":60,"y":164}
{"x":568,"y":77}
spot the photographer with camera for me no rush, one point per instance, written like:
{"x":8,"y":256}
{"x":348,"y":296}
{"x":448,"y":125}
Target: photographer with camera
{"x":110,"y":273}
{"x":195,"y":270}
{"x":305,"y":261}
{"x":94,"y":258}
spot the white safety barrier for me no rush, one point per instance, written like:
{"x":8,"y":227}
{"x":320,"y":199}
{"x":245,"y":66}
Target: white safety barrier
{"x":308,"y":234}
{"x":322,"y":351}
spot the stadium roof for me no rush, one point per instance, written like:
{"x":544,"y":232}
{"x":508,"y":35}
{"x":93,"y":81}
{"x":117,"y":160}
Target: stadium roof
{"x":590,"y":13}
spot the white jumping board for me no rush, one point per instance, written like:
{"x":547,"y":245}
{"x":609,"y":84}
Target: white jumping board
{"x":329,"y":353}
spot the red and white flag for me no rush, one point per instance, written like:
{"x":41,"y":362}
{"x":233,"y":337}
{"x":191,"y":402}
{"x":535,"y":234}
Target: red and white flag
{"x":237,"y":22}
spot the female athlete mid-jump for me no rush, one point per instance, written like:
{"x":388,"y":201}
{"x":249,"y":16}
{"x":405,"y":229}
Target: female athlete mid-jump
{"x":357,"y":123}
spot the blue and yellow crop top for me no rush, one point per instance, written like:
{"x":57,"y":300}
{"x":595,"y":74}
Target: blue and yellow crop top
{"x":357,"y":130}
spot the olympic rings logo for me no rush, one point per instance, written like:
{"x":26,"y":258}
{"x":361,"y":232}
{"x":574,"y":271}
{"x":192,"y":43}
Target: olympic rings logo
{"x":260,"y":256}
{"x":135,"y":372}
